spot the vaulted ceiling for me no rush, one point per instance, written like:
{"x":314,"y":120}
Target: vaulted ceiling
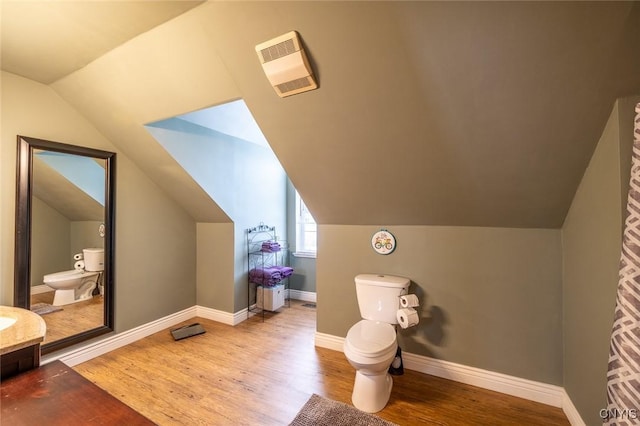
{"x":47,"y":40}
{"x":428,"y":113}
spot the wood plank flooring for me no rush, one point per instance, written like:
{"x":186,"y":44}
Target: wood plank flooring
{"x":262,"y":373}
{"x":73,"y":318}
{"x":55,"y":395}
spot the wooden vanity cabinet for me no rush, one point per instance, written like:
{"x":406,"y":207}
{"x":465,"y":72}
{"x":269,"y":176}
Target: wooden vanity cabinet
{"x":19,"y":361}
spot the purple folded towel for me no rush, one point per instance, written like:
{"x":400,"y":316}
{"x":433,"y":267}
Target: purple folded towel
{"x":286,"y":271}
{"x":267,"y":277}
{"x":270,"y":246}
{"x":271,"y":276}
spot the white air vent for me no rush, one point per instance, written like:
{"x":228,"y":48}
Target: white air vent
{"x":286,"y":65}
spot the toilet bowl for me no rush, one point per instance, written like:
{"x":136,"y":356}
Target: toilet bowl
{"x":72,"y":286}
{"x":77,"y":284}
{"x":370,"y":345}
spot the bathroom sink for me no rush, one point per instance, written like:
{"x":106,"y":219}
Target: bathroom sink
{"x":6,"y":322}
{"x":21,"y":333}
{"x":19,"y":328}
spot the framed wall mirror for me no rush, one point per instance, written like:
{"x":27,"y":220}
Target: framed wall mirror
{"x":65,"y":239}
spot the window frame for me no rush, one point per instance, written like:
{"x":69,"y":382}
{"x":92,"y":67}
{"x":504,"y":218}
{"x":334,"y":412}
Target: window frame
{"x":304,"y":219}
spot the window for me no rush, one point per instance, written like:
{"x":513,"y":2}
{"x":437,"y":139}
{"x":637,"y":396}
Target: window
{"x":306,"y":230}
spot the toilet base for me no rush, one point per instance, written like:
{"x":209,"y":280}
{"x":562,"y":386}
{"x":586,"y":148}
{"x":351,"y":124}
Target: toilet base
{"x":371,"y":392}
{"x":72,"y":295}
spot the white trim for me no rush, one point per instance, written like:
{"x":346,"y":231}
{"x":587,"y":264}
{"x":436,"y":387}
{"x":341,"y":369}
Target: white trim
{"x":570,"y":410}
{"x":221,"y":316}
{"x":306,"y":254}
{"x":329,"y":341}
{"x":76,"y":356}
{"x":534,"y":391}
{"x":305,"y":296}
{"x":39,"y":289}
{"x":510,"y":385}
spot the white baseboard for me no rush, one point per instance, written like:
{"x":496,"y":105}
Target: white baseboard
{"x":221,"y":316}
{"x":510,"y":385}
{"x":534,"y":391}
{"x":329,"y":341}
{"x":570,"y":411}
{"x":305,"y":296}
{"x":76,"y":356}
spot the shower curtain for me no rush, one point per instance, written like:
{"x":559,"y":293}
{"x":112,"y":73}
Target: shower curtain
{"x":623,"y":376}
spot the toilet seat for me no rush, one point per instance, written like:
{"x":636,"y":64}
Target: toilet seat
{"x":65,"y":275}
{"x":371,"y":339}
{"x":59,"y":276}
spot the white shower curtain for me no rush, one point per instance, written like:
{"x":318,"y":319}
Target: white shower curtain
{"x":623,"y":376}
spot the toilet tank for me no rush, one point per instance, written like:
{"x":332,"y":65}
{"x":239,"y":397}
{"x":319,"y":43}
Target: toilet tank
{"x":378,"y":296}
{"x":93,"y":259}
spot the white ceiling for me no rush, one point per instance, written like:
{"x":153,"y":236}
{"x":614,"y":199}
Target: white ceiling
{"x":46,"y":40}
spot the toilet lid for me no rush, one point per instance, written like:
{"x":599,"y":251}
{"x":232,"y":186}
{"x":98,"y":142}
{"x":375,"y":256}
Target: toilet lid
{"x":371,"y":337}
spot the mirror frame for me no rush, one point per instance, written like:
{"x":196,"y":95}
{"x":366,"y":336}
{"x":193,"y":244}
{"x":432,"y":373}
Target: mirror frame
{"x":22,"y":271}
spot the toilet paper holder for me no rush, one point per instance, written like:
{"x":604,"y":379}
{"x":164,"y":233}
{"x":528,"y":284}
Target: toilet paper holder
{"x":407,"y":316}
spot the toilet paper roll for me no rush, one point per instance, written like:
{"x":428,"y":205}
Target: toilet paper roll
{"x":407,"y":317}
{"x":79,"y":265}
{"x":78,"y":256}
{"x":409,"y":301}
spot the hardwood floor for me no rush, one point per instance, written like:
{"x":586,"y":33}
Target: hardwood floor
{"x":55,"y":395}
{"x":73,"y":318}
{"x":262,"y":373}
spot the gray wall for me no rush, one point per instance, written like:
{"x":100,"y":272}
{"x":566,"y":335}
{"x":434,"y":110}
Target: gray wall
{"x":215,"y":270}
{"x":490,"y":297}
{"x":155,"y":242}
{"x":591,"y":238}
{"x":50,"y":241}
{"x":84,"y":234}
{"x":304,"y":275}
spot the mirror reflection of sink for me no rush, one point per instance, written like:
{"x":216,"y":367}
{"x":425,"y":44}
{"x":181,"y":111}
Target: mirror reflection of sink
{"x":6,"y":322}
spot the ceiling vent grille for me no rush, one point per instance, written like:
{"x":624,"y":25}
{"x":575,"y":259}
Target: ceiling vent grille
{"x":286,"y":65}
{"x":277,"y":51}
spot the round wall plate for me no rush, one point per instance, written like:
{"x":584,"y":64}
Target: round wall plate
{"x":383,"y":242}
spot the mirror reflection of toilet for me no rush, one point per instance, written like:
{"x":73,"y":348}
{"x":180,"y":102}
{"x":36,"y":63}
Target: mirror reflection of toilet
{"x":77,"y":284}
{"x":370,"y":345}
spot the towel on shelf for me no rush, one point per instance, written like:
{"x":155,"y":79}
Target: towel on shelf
{"x":270,"y":246}
{"x":271,"y":276}
{"x":286,"y":271}
{"x":267,"y":277}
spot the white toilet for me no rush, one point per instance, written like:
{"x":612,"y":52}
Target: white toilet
{"x":370,"y":345}
{"x":77,"y":285}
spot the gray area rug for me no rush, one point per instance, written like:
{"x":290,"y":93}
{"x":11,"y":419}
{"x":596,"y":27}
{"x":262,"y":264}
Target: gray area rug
{"x":44,"y":308}
{"x":319,"y":411}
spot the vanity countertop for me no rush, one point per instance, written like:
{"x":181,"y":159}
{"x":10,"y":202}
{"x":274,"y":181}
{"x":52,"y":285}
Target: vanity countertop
{"x":28,"y":329}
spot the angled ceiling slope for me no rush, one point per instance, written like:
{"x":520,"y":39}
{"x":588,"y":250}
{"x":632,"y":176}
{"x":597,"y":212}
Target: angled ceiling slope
{"x":46,"y":40}
{"x":64,"y":196}
{"x":428,"y":113}
{"x":439,"y":113}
